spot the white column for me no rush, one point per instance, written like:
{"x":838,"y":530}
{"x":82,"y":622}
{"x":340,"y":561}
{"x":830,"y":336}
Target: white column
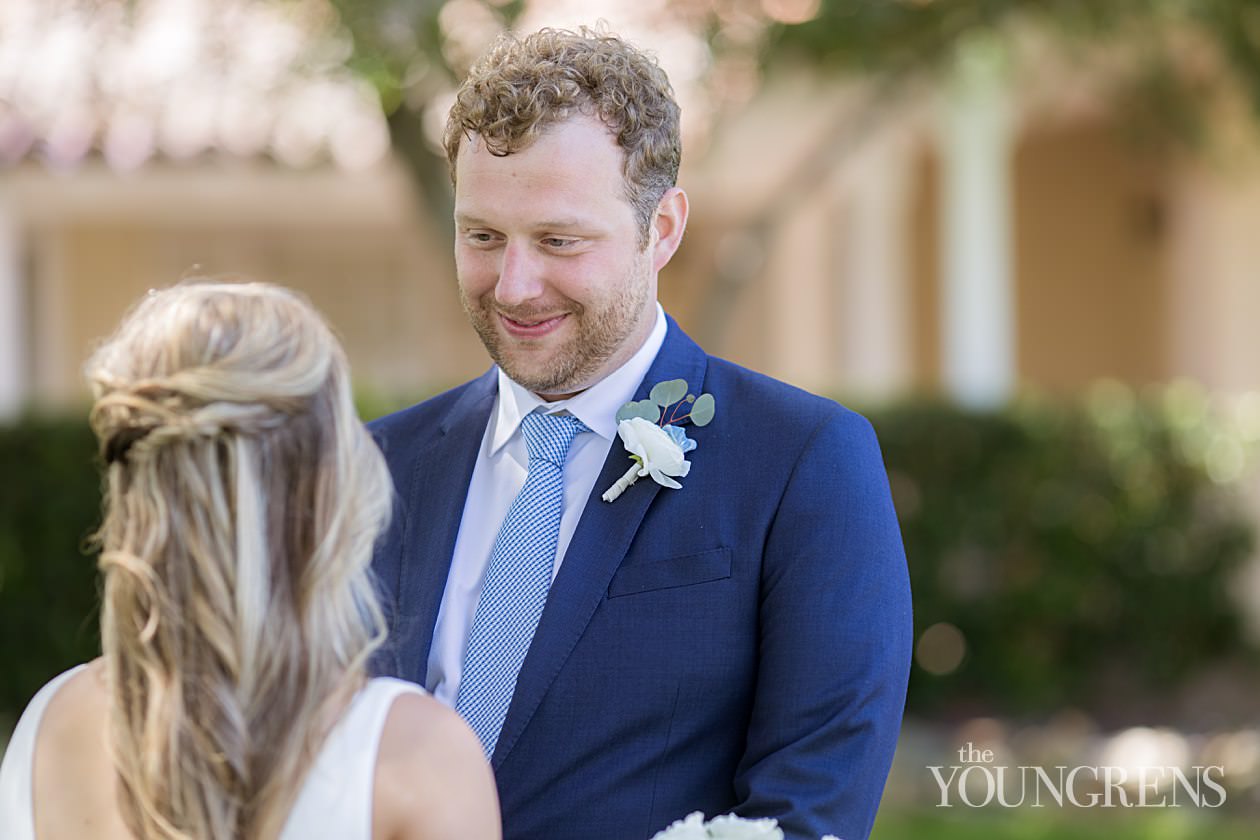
{"x":977,"y":285}
{"x":873,"y":308}
{"x":12,"y":319}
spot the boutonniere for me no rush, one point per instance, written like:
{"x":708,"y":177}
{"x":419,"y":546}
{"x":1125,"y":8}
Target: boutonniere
{"x":656,"y":445}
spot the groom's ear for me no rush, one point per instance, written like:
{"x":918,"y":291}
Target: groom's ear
{"x":668,"y":225}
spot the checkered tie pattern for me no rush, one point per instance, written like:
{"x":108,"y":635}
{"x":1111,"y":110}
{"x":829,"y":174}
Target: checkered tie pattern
{"x":517,"y":579}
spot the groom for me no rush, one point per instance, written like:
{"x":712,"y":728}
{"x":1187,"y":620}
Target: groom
{"x":738,"y":643}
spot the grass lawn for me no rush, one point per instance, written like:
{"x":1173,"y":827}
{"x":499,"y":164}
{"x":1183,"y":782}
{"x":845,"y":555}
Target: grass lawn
{"x":1027,"y":824}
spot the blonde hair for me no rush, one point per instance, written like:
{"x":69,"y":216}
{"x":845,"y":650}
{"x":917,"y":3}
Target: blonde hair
{"x":242,"y":500}
{"x":520,"y":87}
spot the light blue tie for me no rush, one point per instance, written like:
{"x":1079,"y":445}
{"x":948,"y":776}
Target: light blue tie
{"x":517,"y":579}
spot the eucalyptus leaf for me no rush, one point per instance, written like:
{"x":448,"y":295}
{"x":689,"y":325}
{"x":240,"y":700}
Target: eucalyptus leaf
{"x":669,"y":392}
{"x":649,"y":411}
{"x":703,"y":409}
{"x":646,"y":409}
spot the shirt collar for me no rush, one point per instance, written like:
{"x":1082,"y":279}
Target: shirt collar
{"x":596,"y":406}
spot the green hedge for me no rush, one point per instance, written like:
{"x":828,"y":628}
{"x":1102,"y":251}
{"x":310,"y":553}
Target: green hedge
{"x":1083,"y":551}
{"x":49,"y":506}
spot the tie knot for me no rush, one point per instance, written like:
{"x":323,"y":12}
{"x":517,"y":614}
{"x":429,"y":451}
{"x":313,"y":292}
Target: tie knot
{"x":548,"y":436}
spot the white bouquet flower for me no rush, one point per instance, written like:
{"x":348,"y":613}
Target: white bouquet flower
{"x":725,"y":827}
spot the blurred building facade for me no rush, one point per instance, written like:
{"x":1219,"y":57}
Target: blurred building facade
{"x":90,"y":245}
{"x":141,"y":143}
{"x":1121,"y":261}
{"x":975,"y":236}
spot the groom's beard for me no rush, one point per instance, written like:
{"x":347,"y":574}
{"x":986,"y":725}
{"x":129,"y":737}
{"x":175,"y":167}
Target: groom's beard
{"x":576,"y":356}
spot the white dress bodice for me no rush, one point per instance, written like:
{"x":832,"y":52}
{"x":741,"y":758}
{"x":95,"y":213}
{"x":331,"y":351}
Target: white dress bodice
{"x":335,"y":800}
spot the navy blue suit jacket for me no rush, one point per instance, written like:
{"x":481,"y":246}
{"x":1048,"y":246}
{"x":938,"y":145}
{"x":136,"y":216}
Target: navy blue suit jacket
{"x":741,"y":644}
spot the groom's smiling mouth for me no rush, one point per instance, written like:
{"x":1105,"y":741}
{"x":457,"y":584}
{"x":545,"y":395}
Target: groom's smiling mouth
{"x":531,"y":327}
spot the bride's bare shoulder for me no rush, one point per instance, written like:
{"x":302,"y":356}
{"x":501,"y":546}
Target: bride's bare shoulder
{"x":79,"y":706}
{"x":432,"y":780}
{"x":73,"y":781}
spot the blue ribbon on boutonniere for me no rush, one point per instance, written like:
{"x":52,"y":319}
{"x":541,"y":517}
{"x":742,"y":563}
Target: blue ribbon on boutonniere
{"x":651,"y":432}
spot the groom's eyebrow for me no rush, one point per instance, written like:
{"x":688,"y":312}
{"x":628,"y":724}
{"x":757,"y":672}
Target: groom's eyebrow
{"x":570,"y":223}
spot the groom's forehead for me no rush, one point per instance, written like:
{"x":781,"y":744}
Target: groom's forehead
{"x":573,"y":129}
{"x":565,"y":181}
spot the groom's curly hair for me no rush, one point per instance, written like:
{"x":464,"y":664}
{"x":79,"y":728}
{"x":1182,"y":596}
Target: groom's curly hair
{"x":522,"y":86}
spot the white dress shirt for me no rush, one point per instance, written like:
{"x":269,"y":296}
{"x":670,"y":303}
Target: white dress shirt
{"x":499,"y":475}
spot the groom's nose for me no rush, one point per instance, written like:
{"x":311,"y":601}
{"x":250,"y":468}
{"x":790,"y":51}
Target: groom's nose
{"x":520,"y":275}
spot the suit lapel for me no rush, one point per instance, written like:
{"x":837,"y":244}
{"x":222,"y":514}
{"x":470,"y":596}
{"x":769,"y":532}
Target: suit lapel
{"x":435,"y":500}
{"x":603,"y":536}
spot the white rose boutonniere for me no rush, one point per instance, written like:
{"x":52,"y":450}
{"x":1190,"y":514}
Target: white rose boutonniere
{"x":656,"y":445}
{"x":659,"y":452}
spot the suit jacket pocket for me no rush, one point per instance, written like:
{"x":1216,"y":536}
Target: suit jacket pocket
{"x":714,"y":564}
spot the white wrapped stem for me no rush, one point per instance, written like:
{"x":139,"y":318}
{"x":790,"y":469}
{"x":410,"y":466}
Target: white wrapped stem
{"x":631,"y":476}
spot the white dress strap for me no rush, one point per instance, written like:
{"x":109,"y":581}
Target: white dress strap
{"x":336,"y":798}
{"x":17,"y":805}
